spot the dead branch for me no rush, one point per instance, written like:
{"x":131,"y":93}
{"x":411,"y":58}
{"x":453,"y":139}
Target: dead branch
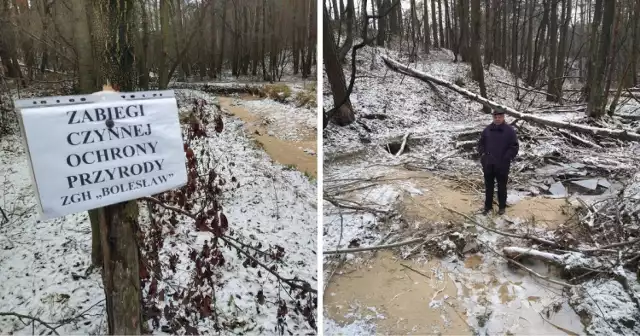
{"x":373,"y":248}
{"x":596,"y":131}
{"x":404,"y":143}
{"x":45,"y":324}
{"x":530,"y":271}
{"x":512,"y":235}
{"x":291,"y":282}
{"x":381,"y":247}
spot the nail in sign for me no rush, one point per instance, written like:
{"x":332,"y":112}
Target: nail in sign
{"x":86,"y":156}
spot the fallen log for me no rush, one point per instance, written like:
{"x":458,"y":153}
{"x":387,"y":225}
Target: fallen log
{"x":606,"y":132}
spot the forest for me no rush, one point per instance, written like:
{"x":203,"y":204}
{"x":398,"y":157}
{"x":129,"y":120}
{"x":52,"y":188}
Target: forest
{"x":143,"y":44}
{"x":229,"y":252}
{"x":408,"y":88}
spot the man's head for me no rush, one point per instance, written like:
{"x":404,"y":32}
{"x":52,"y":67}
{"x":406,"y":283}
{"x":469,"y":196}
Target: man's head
{"x":498,"y":117}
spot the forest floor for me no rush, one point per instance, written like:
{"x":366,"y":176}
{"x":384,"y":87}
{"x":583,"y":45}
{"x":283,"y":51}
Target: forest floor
{"x":456,"y":280}
{"x":272,"y":202}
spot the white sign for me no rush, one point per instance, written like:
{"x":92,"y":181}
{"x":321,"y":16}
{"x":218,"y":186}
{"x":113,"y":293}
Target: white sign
{"x":86,"y":156}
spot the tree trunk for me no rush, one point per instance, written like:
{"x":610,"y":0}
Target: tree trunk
{"x":348,"y":43}
{"x":143,"y":68}
{"x":163,"y":71}
{"x":121,"y":274}
{"x":593,"y":49}
{"x":464,"y":30}
{"x":427,"y":38}
{"x":514,"y":38}
{"x":476,"y":62}
{"x":336,"y":10}
{"x":382,"y":24}
{"x":344,"y":115}
{"x":448,"y":25}
{"x":597,"y":96}
{"x":553,"y":48}
{"x":443,"y":44}
{"x":434,"y":24}
{"x":562,"y":50}
{"x":223,"y":34}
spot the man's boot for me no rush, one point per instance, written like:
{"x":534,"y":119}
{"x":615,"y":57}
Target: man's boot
{"x":486,"y":211}
{"x":501,"y":211}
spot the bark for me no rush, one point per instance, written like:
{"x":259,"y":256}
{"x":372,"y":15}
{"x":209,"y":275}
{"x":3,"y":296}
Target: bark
{"x":476,"y":62}
{"x":163,"y":73}
{"x":464,"y":30}
{"x":562,"y":50}
{"x":427,"y":39}
{"x":539,"y":46}
{"x":488,"y":32}
{"x":382,"y":24}
{"x":82,"y":44}
{"x":434,"y":24}
{"x":414,"y":22}
{"x":143,"y":68}
{"x":336,"y":10}
{"x":348,"y":43}
{"x":344,"y":115}
{"x":121,"y":274}
{"x":223,"y":34}
{"x":594,"y":37}
{"x":514,"y":38}
{"x":443,"y":44}
{"x":597,"y":95}
{"x":594,"y":131}
{"x":553,"y":48}
{"x":448,"y":24}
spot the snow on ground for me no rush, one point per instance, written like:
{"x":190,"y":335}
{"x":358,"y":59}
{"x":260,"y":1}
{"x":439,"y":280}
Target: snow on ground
{"x":44,"y":262}
{"x":388,"y":105}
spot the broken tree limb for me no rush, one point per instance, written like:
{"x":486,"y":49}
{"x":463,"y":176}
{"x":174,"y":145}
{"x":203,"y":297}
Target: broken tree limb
{"x":404,"y":143}
{"x":381,"y":247}
{"x":507,"y":234}
{"x":612,"y":133}
{"x":581,"y":140}
{"x":373,"y":248}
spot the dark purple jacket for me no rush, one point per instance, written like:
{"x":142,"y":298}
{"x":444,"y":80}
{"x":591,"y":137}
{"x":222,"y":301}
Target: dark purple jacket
{"x":498,"y":146}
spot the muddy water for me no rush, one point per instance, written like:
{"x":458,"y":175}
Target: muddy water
{"x":399,"y":299}
{"x":481,"y":291}
{"x":439,"y":194}
{"x":288,"y":153}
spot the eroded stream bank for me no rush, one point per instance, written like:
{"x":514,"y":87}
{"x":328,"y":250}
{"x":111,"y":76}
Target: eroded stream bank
{"x":297,"y":151}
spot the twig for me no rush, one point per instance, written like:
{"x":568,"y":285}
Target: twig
{"x":290,"y":282}
{"x":415,"y":270}
{"x":45,"y":324}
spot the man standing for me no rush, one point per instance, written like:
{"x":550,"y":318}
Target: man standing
{"x":498,"y":146}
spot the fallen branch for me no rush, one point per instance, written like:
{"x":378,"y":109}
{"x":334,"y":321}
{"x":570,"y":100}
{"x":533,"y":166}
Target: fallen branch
{"x":530,"y":271}
{"x":380,"y":247}
{"x":597,"y":131}
{"x":512,"y":235}
{"x":404,"y":143}
{"x":45,"y":324}
{"x":581,"y":140}
{"x":373,"y":248}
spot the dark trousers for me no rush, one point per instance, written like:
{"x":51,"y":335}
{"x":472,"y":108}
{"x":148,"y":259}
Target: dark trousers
{"x":492,"y":174}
